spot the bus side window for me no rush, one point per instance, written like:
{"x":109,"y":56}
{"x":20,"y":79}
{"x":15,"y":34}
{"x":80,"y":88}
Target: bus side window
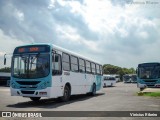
{"x":56,"y":64}
{"x":88,"y":67}
{"x":101,"y":72}
{"x":93,"y":68}
{"x":97,"y":69}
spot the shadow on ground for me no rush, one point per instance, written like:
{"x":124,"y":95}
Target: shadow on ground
{"x":52,"y":103}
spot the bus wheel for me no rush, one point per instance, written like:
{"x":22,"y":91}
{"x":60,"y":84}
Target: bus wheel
{"x":66,"y":94}
{"x":141,"y":89}
{"x":35,"y":98}
{"x":93,"y":90}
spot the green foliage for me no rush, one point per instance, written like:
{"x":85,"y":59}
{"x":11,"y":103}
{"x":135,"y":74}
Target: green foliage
{"x":6,"y":69}
{"x":111,"y":69}
{"x":153,"y":94}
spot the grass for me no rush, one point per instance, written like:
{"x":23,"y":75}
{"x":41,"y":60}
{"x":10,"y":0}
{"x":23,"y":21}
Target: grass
{"x":151,"y":94}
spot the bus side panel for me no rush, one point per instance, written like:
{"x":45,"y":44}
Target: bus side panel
{"x":57,"y":86}
{"x":76,"y":80}
{"x":98,"y":82}
{"x":90,"y":79}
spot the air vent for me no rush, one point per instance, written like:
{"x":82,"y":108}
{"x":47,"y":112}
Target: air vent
{"x":28,"y":82}
{"x":27,"y":92}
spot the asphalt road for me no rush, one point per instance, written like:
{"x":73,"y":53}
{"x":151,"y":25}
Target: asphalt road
{"x":121,"y":97}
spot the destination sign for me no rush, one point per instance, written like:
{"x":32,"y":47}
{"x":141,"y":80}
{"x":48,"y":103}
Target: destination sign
{"x":30,"y":49}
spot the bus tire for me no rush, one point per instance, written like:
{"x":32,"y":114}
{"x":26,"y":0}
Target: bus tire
{"x":141,"y":89}
{"x":66,"y":94}
{"x":35,"y":98}
{"x":93,"y":93}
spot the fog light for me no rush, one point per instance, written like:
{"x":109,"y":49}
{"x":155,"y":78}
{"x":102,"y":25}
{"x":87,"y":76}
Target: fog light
{"x":36,"y":93}
{"x":18,"y":93}
{"x":42,"y":93}
{"x":158,"y":85}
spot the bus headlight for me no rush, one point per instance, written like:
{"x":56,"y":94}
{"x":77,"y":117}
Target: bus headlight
{"x":45,"y":84}
{"x":13,"y":85}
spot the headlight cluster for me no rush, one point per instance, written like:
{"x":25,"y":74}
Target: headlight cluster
{"x":44,"y":84}
{"x":13,"y":85}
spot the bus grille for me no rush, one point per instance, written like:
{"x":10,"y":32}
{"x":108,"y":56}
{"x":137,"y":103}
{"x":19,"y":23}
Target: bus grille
{"x":27,"y":92}
{"x":150,"y":81}
{"x":28,"y":82}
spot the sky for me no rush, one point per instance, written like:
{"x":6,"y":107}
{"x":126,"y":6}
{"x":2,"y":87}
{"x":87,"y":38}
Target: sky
{"x":118,"y":32}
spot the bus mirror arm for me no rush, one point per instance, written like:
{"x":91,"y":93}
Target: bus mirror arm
{"x":136,"y":70}
{"x":4,"y":59}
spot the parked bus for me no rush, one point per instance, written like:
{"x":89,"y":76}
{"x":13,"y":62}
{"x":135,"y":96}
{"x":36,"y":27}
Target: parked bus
{"x":127,"y":78}
{"x":134,"y":78}
{"x":45,"y":70}
{"x":148,"y":75}
{"x":117,"y":77}
{"x":108,"y":80}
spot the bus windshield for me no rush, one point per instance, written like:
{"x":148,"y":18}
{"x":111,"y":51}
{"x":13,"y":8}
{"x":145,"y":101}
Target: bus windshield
{"x":109,"y":78}
{"x":149,"y":72}
{"x":29,"y":66}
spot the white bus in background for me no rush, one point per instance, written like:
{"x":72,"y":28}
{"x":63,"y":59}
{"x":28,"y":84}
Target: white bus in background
{"x":117,"y":77}
{"x":46,"y":70}
{"x":108,"y":80}
{"x":127,"y":78}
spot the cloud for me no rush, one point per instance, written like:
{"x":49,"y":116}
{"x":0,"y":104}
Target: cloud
{"x":7,"y":45}
{"x":122,"y":33}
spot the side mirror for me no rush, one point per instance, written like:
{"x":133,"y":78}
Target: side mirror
{"x":137,"y":71}
{"x":4,"y":59}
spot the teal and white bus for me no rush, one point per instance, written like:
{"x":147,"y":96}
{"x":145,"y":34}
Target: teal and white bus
{"x":148,"y":75}
{"x":46,"y":70}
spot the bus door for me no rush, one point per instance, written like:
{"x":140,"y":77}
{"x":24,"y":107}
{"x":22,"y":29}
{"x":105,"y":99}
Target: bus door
{"x":57,"y":71}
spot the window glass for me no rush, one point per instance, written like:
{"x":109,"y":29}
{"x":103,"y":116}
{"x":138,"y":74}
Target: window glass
{"x":97,"y":69}
{"x":56,"y":64}
{"x":93,"y":68}
{"x":65,"y":62}
{"x":100,"y":69}
{"x":74,"y":64}
{"x":88,"y":67}
{"x":81,"y":65}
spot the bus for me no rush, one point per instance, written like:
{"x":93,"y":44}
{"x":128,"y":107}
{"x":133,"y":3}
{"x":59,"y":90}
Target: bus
{"x":108,"y":80}
{"x":127,"y":78}
{"x":148,"y":75}
{"x":46,"y":70}
{"x":117,"y":77}
{"x":134,"y":78}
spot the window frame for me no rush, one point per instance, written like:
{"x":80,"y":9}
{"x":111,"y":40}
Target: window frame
{"x":60,"y":71}
{"x":92,"y":63}
{"x":88,"y":67}
{"x":74,"y":63}
{"x":82,"y":66}
{"x":66,"y":61}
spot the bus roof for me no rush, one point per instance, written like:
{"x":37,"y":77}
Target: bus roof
{"x":72,"y":53}
{"x":148,"y":64}
{"x":62,"y":50}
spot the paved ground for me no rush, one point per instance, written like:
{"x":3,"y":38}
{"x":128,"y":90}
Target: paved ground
{"x":122,"y":97}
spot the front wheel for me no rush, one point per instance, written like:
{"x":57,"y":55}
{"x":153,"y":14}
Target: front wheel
{"x":35,"y":98}
{"x":66,"y":94}
{"x":141,"y":89}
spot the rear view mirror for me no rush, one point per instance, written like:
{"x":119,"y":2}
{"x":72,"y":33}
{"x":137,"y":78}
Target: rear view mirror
{"x":136,"y":71}
{"x":4,"y":59}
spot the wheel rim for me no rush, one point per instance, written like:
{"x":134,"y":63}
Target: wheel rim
{"x":66,"y":94}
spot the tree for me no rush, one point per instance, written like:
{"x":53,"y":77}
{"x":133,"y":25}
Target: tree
{"x":6,"y":69}
{"x":111,"y":69}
